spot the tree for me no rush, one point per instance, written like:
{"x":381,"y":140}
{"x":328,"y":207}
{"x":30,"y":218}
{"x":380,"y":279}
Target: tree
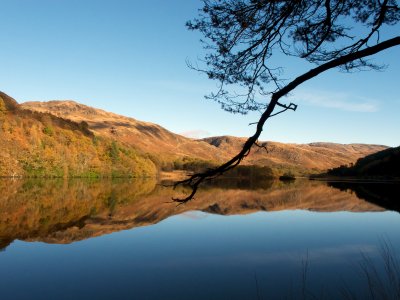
{"x":241,"y":37}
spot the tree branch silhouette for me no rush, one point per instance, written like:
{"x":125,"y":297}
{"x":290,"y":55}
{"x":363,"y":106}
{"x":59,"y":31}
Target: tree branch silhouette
{"x":196,"y":179}
{"x":243,"y":35}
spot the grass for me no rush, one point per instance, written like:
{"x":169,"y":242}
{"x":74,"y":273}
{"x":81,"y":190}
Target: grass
{"x":380,"y":285}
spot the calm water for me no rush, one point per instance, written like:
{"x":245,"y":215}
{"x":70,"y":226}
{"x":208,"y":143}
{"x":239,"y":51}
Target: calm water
{"x":236,"y":240}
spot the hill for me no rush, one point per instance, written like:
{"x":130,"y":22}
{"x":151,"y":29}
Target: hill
{"x":172,"y":151}
{"x":385,"y":163}
{"x":297,"y":157}
{"x":148,"y":137}
{"x":39,"y":144}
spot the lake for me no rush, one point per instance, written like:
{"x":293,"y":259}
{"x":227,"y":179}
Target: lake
{"x":124,"y":239}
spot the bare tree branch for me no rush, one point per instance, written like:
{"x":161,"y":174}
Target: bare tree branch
{"x":196,"y":179}
{"x":242,"y":36}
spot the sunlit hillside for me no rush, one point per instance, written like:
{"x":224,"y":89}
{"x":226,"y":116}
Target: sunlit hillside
{"x":171,"y":151}
{"x":68,"y":139}
{"x":36,"y":144}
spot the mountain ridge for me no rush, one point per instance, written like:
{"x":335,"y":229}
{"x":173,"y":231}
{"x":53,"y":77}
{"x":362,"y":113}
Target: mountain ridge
{"x":165,"y":149}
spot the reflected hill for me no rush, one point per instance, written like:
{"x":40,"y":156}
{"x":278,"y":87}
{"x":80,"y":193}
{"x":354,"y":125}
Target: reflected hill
{"x":64,"y":211}
{"x":384,"y":194}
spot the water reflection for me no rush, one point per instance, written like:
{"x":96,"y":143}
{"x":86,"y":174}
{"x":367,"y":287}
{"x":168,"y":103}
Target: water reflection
{"x":58,"y":211}
{"x":40,"y":209}
{"x":194,"y":251}
{"x":385,"y":194}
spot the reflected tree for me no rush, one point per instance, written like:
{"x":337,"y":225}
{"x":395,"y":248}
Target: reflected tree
{"x":243,"y":37}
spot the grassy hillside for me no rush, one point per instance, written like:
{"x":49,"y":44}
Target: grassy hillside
{"x":171,"y":151}
{"x":296,"y":158}
{"x":68,"y":139}
{"x":36,"y":144}
{"x":164,"y":146}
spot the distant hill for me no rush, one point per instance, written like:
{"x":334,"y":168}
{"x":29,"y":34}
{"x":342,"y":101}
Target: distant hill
{"x":297,"y":157}
{"x":385,"y":163}
{"x":172,"y":151}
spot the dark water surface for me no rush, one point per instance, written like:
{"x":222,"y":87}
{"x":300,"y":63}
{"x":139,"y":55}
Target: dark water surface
{"x":237,"y":240}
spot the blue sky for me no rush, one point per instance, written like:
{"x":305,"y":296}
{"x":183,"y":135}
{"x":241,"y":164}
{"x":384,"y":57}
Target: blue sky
{"x":129,"y":57}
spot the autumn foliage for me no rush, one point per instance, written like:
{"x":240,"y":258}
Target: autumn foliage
{"x":35,"y":144}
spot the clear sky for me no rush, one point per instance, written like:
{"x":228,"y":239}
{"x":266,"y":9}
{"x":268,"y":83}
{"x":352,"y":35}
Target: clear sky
{"x":128,"y":57}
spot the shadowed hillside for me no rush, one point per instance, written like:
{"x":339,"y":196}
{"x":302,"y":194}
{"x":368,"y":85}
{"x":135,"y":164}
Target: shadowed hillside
{"x":385,"y":163}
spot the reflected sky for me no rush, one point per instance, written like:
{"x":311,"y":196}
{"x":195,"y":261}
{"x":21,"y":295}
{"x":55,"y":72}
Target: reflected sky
{"x":198,"y":255}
